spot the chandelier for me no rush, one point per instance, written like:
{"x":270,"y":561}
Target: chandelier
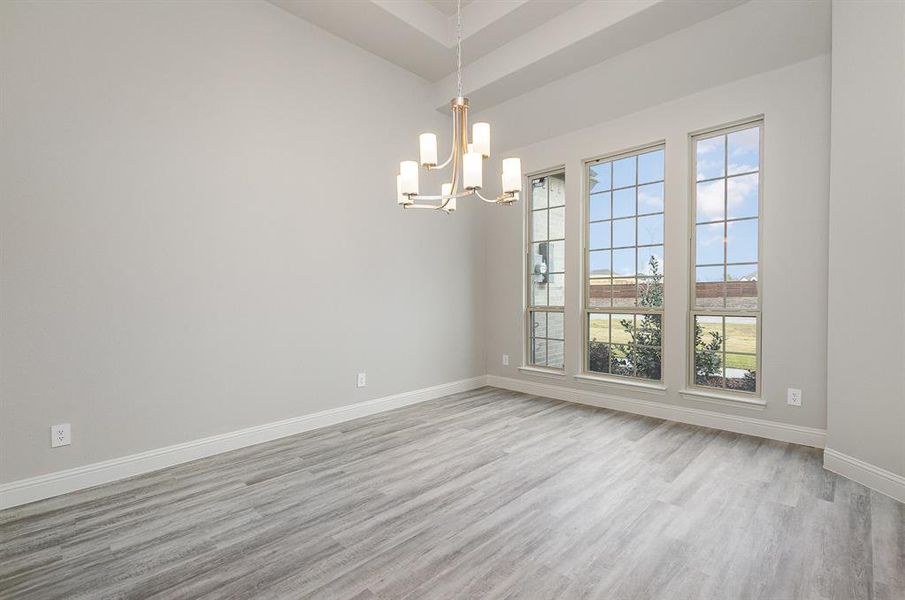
{"x":466,"y":157}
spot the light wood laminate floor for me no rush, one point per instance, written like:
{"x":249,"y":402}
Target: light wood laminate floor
{"x":485,"y":494}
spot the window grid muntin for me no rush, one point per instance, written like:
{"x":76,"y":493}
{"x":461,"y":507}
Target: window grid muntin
{"x":531,"y":307}
{"x":732,"y":220}
{"x":533,"y":338}
{"x":724,"y":134}
{"x":612,"y":310}
{"x":636,"y":215}
{"x":724,"y":352}
{"x":734,"y":175}
{"x":611,"y":318}
{"x":725,"y":311}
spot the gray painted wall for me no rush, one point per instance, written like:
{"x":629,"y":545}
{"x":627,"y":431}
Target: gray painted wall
{"x":866,"y":354}
{"x":198,"y":229}
{"x":795,"y":104}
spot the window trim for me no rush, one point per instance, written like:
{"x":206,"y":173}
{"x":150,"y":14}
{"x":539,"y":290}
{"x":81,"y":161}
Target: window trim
{"x":586,"y":309}
{"x":633,"y":383}
{"x":548,"y":372}
{"x":528,"y":307}
{"x":692,"y":387}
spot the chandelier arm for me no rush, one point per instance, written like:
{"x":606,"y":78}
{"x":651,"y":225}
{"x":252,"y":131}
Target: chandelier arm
{"x":460,"y":133}
{"x":436,"y":197}
{"x":430,"y":206}
{"x":452,"y":150}
{"x":478,"y":194}
{"x":501,"y":199}
{"x":461,"y":143}
{"x":456,"y":154}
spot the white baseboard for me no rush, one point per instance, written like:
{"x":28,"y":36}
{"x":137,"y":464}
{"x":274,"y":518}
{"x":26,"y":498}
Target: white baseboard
{"x":70,"y":480}
{"x":881,"y":480}
{"x":773,"y":430}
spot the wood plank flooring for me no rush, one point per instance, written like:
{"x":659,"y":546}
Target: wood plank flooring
{"x":485,"y":494}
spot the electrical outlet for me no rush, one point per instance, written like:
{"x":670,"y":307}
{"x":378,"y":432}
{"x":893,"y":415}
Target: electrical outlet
{"x":362,"y":379}
{"x":505,"y":360}
{"x":60,"y":435}
{"x":794,"y":397}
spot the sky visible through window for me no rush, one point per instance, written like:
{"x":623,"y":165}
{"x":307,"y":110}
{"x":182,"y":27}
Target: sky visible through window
{"x":735,"y":197}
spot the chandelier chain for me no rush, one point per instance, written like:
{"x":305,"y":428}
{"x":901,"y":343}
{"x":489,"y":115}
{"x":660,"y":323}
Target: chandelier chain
{"x":459,"y":47}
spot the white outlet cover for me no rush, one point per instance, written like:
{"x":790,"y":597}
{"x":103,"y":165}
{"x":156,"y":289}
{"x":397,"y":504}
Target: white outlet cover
{"x":362,"y":379}
{"x":60,"y":435}
{"x":505,"y":360}
{"x":794,"y":397}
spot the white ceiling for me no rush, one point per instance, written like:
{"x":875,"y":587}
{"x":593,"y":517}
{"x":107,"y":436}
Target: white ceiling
{"x":447,"y":7}
{"x":757,"y":37}
{"x":419,"y":37}
{"x":510,"y":47}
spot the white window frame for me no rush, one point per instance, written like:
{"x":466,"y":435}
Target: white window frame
{"x":693,"y":310}
{"x":530,"y":308}
{"x":587,"y":310}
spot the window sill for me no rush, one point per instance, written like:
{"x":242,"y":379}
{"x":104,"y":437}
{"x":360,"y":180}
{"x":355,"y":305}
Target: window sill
{"x":724,"y":399}
{"x":542,"y":372}
{"x":650,"y":388}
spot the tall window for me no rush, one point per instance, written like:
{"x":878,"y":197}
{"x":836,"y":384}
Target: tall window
{"x":624,"y":264}
{"x":725,"y":314}
{"x":546,"y":270}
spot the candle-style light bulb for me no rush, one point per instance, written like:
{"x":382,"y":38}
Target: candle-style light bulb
{"x":400,"y":197}
{"x":446,"y":190}
{"x":480,"y":138}
{"x":408,"y":171}
{"x":512,"y":175}
{"x":428,"y":149}
{"x":471,"y":170}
